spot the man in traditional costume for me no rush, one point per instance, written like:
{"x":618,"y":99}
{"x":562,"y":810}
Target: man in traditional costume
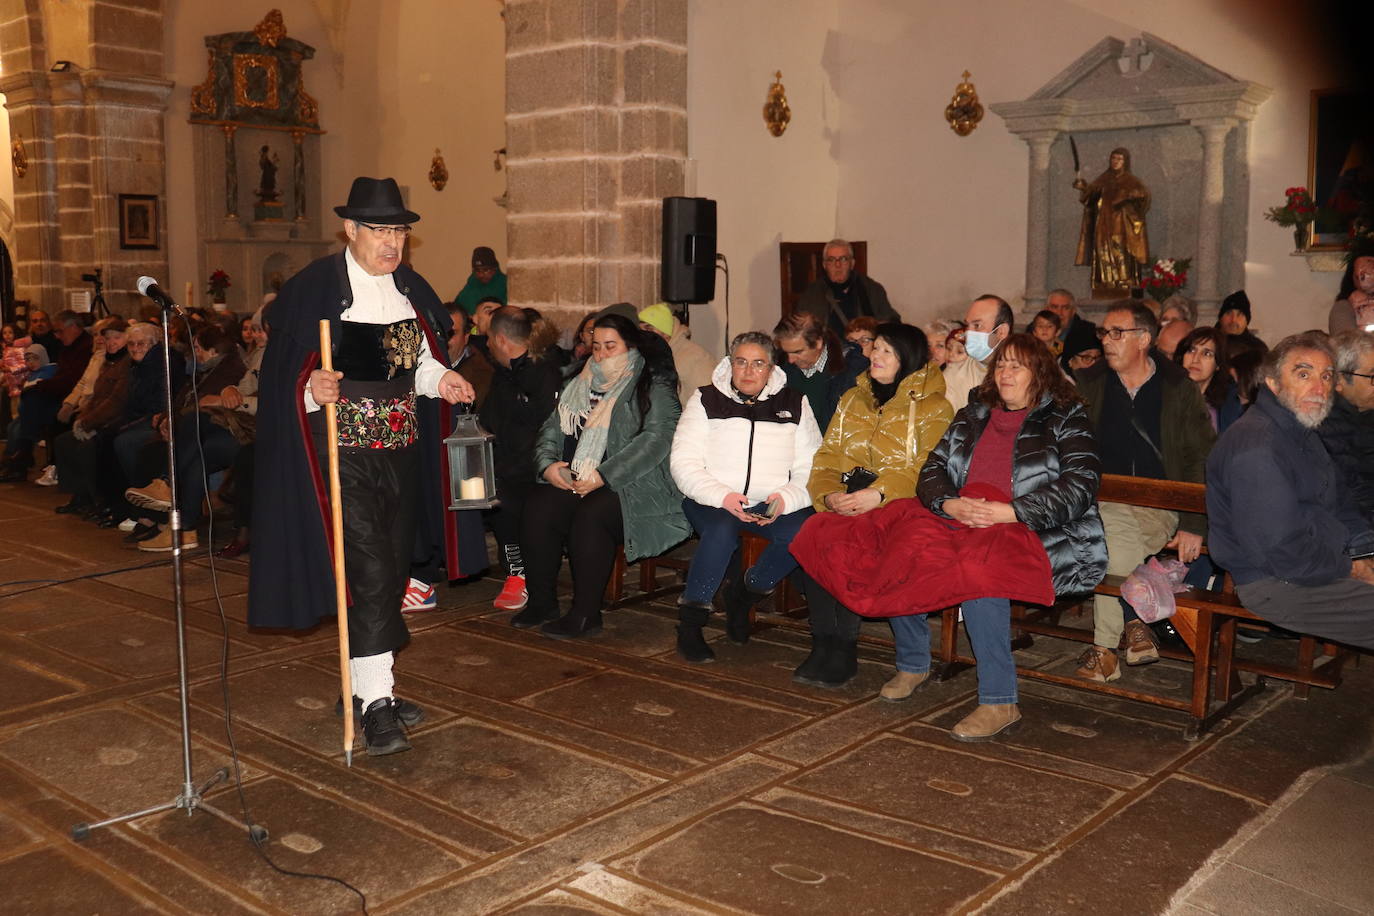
{"x":389,"y":333}
{"x":1113,"y":238}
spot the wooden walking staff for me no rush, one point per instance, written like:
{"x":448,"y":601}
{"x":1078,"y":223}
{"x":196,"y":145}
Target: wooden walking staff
{"x":331,"y":420}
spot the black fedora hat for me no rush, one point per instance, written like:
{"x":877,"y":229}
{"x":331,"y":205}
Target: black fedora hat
{"x":376,"y":200}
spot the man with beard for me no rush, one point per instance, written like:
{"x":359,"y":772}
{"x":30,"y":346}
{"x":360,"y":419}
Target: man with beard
{"x":1279,"y":517}
{"x":842,"y":294}
{"x":1113,"y":238}
{"x":390,"y":376}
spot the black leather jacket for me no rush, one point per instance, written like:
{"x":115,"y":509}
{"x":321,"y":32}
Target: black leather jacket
{"x":1055,"y":476}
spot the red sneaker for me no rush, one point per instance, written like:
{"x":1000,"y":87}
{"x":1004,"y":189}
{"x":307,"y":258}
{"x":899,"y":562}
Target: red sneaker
{"x":513,"y":596}
{"x":419,"y":598}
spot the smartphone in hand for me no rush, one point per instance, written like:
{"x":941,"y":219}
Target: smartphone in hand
{"x":762,"y":511}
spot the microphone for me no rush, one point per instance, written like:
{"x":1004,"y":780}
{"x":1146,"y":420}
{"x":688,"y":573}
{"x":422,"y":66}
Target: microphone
{"x":148,"y":287}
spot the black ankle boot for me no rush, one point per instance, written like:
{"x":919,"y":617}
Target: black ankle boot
{"x":691,"y":644}
{"x":841,"y":662}
{"x":570,"y":627}
{"x":740,"y":601}
{"x":809,"y":671}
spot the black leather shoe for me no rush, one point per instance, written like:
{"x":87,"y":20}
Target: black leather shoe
{"x":105,"y":520}
{"x":382,"y":730}
{"x":570,"y":627}
{"x":141,"y":532}
{"x":532,"y":617}
{"x":409,"y":714}
{"x":74,"y":507}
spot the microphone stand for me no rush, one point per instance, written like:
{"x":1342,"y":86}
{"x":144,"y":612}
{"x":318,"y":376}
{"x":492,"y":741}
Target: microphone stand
{"x":191,"y":797}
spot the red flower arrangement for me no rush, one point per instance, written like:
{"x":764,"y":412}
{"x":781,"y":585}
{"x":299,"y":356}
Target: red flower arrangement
{"x":1299,"y":209}
{"x":1167,"y":275}
{"x":219,"y":282}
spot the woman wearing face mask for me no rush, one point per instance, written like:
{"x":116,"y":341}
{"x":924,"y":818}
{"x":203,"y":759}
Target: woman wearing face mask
{"x":872,"y":453}
{"x":603,"y":454}
{"x":1203,"y":354}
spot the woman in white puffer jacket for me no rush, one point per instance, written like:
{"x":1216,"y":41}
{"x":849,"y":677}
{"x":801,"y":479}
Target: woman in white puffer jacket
{"x":741,"y":456}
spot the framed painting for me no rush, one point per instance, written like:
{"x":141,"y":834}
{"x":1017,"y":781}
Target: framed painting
{"x":138,"y":221}
{"x":1340,"y":162}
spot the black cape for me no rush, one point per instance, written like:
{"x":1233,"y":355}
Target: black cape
{"x":291,"y":578}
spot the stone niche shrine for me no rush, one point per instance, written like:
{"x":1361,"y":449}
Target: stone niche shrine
{"x":1187,"y":126}
{"x":256,"y":135}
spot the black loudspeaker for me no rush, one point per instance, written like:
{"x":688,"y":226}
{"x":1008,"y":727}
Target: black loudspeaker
{"x":689,"y":250}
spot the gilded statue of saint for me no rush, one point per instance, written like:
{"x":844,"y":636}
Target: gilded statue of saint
{"x":1113,"y":238}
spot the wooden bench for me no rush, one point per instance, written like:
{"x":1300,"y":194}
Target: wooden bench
{"x":1206,"y":621}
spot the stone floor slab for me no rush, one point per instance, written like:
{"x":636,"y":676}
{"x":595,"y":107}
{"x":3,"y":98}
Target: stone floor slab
{"x":675,"y":718}
{"x":760,"y":861}
{"x":1137,"y":859}
{"x":197,"y":582}
{"x":1320,"y":843}
{"x":959,"y":792}
{"x":14,"y":835}
{"x":485,"y":666}
{"x":133,"y":645}
{"x":45,"y":881}
{"x":27,"y":684}
{"x":517,"y":784}
{"x":1232,"y":889}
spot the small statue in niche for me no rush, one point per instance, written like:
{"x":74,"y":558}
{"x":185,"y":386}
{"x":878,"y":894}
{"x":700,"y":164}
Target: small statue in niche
{"x":267,"y":187}
{"x":1113,"y":238}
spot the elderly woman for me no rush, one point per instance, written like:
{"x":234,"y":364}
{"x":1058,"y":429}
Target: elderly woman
{"x":859,"y":332}
{"x":937,"y":332}
{"x":1203,"y":354}
{"x":1177,"y":307}
{"x":1027,"y":442}
{"x":79,"y":450}
{"x":741,"y":457}
{"x":603,"y":455}
{"x":873,"y":452}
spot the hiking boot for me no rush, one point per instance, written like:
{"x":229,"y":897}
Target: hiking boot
{"x":513,"y":595}
{"x":382,"y":729}
{"x":903,"y":685}
{"x":987,"y":722}
{"x":162,"y":541}
{"x":156,"y":496}
{"x":1098,"y":664}
{"x":1141,"y":648}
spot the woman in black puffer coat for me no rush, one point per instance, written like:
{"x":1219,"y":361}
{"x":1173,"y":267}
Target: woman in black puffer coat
{"x":1051,"y":454}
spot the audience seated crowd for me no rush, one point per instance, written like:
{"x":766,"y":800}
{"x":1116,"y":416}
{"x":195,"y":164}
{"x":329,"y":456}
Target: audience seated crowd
{"x":859,"y":448}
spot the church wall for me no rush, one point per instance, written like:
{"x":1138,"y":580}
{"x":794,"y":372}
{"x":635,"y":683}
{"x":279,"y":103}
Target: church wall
{"x":946,"y":215}
{"x":769,"y":189}
{"x":343,"y":81}
{"x":869,"y":154}
{"x":441,"y":84}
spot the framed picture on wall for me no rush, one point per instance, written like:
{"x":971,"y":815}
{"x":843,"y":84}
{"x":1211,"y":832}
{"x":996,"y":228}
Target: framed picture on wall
{"x":138,"y":221}
{"x":1340,"y":162}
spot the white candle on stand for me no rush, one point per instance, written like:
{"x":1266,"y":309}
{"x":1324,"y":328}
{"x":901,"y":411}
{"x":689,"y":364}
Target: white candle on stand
{"x":189,"y":299}
{"x":473,"y":488}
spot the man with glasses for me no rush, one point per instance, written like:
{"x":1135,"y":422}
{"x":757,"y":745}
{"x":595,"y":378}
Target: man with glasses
{"x":741,"y":456}
{"x":390,"y":373}
{"x":843,"y":295}
{"x":1348,"y":431}
{"x":1151,"y":422}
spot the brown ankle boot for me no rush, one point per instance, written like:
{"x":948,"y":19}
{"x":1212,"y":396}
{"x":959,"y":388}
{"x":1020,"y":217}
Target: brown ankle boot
{"x":986,"y":722}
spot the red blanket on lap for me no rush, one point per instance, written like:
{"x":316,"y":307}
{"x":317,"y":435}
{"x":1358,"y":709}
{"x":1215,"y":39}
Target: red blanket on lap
{"x":904,"y":559}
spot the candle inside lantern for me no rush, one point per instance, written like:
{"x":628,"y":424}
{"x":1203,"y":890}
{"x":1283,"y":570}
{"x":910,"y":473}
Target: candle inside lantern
{"x":473,"y":488}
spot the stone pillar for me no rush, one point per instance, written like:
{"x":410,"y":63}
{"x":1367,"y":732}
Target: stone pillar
{"x":596,"y":125}
{"x":1214,"y":132}
{"x":93,"y":132}
{"x":1038,"y":218}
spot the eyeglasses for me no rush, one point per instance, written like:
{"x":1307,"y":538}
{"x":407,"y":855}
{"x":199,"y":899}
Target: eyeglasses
{"x":750,"y":365}
{"x":1115,"y":333}
{"x":842,"y":259}
{"x":1360,"y":375}
{"x":387,"y":232}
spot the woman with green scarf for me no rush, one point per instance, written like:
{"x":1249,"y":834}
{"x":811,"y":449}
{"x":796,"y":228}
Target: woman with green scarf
{"x":603,"y":457}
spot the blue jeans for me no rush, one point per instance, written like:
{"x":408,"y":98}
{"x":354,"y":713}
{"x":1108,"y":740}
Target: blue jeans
{"x":719,"y":531}
{"x":987,"y":621}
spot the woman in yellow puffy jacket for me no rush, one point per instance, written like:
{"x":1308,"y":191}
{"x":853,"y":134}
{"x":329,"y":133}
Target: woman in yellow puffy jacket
{"x":874,"y":448}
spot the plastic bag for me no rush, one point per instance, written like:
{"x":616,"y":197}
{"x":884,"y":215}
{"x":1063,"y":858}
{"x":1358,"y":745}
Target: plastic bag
{"x":1150,"y":589}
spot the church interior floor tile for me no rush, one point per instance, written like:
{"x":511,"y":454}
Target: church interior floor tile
{"x":607,"y":776}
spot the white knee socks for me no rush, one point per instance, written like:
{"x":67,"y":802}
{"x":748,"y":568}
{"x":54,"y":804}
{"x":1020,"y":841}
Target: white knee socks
{"x":372,"y":678}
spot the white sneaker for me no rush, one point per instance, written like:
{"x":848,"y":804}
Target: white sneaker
{"x":48,"y":477}
{"x":128,"y":525}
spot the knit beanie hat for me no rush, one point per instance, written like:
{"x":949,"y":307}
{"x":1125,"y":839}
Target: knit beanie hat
{"x":1237,"y":301}
{"x":660,"y":317}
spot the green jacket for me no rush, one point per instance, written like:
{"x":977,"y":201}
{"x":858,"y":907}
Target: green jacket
{"x":635,"y":467}
{"x":1185,"y":429}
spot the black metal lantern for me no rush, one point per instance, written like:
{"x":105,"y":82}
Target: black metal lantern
{"x":471,"y":465}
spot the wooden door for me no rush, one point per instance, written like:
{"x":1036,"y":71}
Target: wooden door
{"x":800,"y":266}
